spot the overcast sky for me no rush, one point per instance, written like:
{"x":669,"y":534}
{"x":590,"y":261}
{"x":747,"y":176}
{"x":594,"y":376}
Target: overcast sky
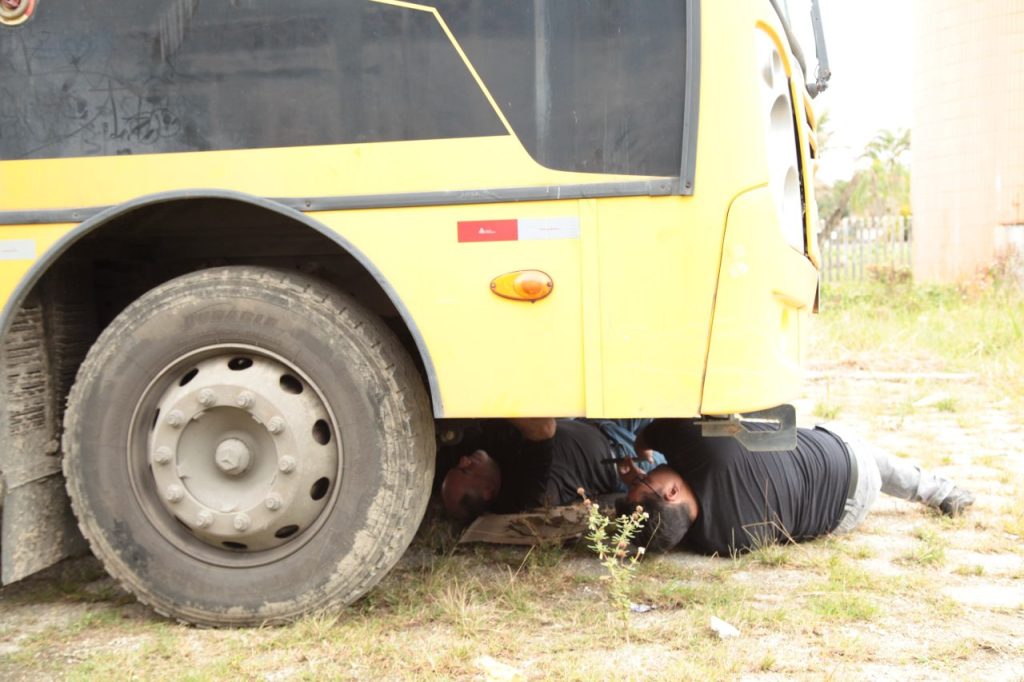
{"x":869,"y":49}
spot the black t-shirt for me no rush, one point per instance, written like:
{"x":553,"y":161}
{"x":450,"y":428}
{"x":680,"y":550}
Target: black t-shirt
{"x":573,"y":459}
{"x":541,"y":473}
{"x":751,"y":498}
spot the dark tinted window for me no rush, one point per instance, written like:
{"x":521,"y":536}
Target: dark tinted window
{"x":588,"y":85}
{"x":96,"y":78}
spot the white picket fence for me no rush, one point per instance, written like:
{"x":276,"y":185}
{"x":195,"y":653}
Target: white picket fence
{"x":858,"y":249}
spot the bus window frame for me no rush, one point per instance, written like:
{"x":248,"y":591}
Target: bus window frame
{"x":691,"y":100}
{"x":681,"y":185}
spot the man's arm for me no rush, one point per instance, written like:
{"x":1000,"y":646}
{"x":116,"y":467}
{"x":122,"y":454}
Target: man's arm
{"x":536,"y":428}
{"x":672,"y":437}
{"x":642,"y":449}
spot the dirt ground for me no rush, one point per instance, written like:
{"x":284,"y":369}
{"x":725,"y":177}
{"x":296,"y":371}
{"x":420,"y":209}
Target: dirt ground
{"x":951,"y":424}
{"x":942,"y":599}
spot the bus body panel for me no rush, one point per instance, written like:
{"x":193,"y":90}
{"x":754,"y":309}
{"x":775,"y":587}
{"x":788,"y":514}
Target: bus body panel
{"x":626,"y":330}
{"x":756,"y":298}
{"x":673,"y":296}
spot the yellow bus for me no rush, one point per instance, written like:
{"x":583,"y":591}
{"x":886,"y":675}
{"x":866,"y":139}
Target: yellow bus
{"x":255,"y":255}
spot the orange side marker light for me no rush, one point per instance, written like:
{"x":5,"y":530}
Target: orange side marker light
{"x":523,"y":285}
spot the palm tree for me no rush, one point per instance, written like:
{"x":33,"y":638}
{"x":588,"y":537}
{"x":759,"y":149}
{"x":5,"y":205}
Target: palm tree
{"x":883,"y":188}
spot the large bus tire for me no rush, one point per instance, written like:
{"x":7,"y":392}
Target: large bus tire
{"x":245,"y":445}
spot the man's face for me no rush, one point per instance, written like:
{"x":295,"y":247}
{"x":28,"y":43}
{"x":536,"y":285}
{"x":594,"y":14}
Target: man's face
{"x":476,"y":473}
{"x":662,"y":481}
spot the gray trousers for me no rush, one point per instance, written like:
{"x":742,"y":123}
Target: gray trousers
{"x":877,"y":470}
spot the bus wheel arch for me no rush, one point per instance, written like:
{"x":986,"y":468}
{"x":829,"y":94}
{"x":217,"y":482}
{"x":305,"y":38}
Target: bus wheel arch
{"x":204,"y":228}
{"x":115,"y":256}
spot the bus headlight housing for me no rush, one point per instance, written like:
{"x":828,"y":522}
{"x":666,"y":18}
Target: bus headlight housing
{"x":781,"y":142}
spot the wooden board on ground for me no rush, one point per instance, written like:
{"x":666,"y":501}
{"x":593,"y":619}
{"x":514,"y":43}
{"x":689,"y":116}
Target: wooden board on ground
{"x":544,"y":526}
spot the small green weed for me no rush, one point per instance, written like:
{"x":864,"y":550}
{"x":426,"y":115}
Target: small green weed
{"x":974,"y":570}
{"x":848,"y":592}
{"x":930,"y":549}
{"x":767,"y":663}
{"x":855,"y":551}
{"x":774,"y":554}
{"x":1014,"y":521}
{"x":610,"y":539}
{"x":839,"y":606}
{"x":827,"y":410}
{"x":992,"y":461}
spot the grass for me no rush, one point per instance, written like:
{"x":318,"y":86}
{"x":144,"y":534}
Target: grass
{"x":828,"y":411}
{"x":827,"y":408}
{"x":971,"y":328}
{"x":843,"y":607}
{"x":870,"y":604}
{"x":1013,"y":523}
{"x":773,"y":554}
{"x":929,"y":550}
{"x":970,"y":570}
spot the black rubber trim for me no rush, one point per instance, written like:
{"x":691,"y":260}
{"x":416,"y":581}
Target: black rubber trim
{"x":654,"y":188}
{"x":99,"y":216}
{"x":794,"y":45}
{"x":691,"y":103}
{"x":50,"y":216}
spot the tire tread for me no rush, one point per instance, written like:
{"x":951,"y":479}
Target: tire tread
{"x":410,"y":429}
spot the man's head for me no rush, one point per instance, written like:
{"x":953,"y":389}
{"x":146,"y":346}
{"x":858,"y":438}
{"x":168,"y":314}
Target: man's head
{"x":471,"y":486}
{"x":662,"y":495}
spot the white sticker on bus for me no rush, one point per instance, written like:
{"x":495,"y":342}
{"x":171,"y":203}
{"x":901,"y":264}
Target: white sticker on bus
{"x":565,"y":227}
{"x":17,"y":249}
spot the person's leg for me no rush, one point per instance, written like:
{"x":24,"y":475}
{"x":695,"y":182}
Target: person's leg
{"x":907,"y":481}
{"x":910,"y":482}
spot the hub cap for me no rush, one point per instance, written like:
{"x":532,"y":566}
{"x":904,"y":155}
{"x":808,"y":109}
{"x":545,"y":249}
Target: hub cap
{"x":242,"y":450}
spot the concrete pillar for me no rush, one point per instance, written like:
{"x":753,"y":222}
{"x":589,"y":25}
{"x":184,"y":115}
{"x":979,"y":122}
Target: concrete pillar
{"x":967,"y":181}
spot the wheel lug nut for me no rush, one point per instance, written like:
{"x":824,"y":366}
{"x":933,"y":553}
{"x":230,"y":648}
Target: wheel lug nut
{"x":232,"y":456}
{"x":175,"y":418}
{"x":162,"y":455}
{"x":286,"y":464}
{"x":174,"y":493}
{"x":241,"y":522}
{"x":275,"y":425}
{"x":273,"y":502}
{"x":204,"y":519}
{"x":207,"y":397}
{"x":245,"y":399}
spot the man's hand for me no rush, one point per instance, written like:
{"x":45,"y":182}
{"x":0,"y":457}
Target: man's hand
{"x":536,"y":428}
{"x":628,"y":471}
{"x":643,"y":450}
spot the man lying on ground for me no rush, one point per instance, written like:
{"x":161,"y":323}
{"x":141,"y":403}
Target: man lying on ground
{"x":717,"y":497}
{"x":538,"y":463}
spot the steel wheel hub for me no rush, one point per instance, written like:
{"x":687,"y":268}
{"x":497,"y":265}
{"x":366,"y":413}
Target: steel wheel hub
{"x":242,"y":450}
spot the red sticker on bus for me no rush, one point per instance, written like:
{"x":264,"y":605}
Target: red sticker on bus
{"x":488,"y":230}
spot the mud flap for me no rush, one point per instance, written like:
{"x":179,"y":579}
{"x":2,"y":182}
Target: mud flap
{"x":768,"y":430}
{"x":38,"y":528}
